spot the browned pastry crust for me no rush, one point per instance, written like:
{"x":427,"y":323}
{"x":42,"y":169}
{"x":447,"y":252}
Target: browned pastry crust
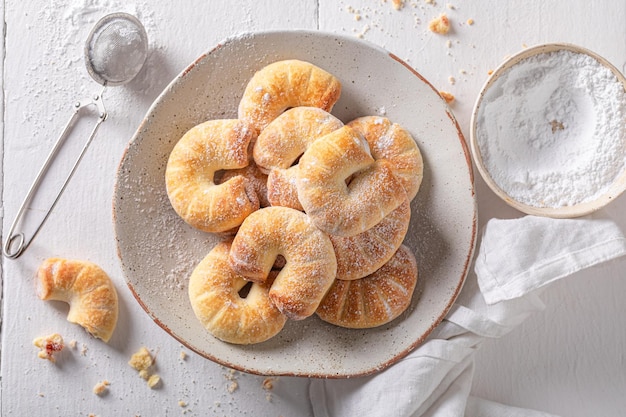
{"x":214,"y":292}
{"x":205,"y":149}
{"x":285,"y":84}
{"x":363,"y":254}
{"x":374,"y":300}
{"x":254,"y":175}
{"x":339,"y":208}
{"x":310,"y":264}
{"x":86,"y":288}
{"x":280,"y":145}
{"x":391,"y":142}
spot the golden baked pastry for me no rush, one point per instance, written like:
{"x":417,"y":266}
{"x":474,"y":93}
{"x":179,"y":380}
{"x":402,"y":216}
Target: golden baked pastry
{"x":310,"y":264}
{"x":214,"y":292}
{"x":280,"y":145}
{"x":254,"y":175}
{"x":338,"y":207}
{"x":285,"y":84}
{"x":392,"y":142}
{"x":374,"y":300}
{"x":190,"y":174}
{"x":363,"y":254}
{"x":86,"y":288}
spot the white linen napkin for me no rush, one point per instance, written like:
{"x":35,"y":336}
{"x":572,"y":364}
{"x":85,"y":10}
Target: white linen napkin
{"x":516,"y":258}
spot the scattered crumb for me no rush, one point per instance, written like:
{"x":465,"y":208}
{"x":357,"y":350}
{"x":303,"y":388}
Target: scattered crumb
{"x":440,"y":24}
{"x":357,"y":17}
{"x":524,"y":46}
{"x":183,"y":355}
{"x":101,"y":387}
{"x":452,"y":80}
{"x":448,"y":97}
{"x":232,"y":387}
{"x":142,"y":362}
{"x":83,"y":350}
{"x":49,"y":345}
{"x":462,"y":71}
{"x":450,"y":6}
{"x":430,"y":2}
{"x":382,"y":111}
{"x":397,"y":4}
{"x":181,"y":403}
{"x":490,"y":72}
{"x":41,"y":394}
{"x":470,"y":21}
{"x":72,"y":344}
{"x":268,"y":383}
{"x":154,"y":381}
{"x":449,"y":43}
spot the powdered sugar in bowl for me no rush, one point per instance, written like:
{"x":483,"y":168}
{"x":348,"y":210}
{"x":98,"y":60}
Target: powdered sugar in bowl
{"x":548,"y":131}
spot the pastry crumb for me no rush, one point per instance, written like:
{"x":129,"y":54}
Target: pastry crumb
{"x":49,"y":345}
{"x":440,"y":24}
{"x":154,"y":381}
{"x":397,"y":4}
{"x":101,"y":387}
{"x":268,"y":384}
{"x":141,"y":360}
{"x":182,"y":404}
{"x":448,"y":97}
{"x":470,"y":21}
{"x":452,"y":80}
{"x":232,"y":387}
{"x":183,"y":355}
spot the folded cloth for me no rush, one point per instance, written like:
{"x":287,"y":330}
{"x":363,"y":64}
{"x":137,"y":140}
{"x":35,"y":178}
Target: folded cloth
{"x":521,"y":255}
{"x":435,"y":380}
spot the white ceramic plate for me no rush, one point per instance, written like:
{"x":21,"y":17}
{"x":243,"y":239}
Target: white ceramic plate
{"x":158,"y":250}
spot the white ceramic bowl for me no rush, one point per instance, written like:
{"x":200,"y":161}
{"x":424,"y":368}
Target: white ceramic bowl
{"x":593,"y":201}
{"x":158,"y":250}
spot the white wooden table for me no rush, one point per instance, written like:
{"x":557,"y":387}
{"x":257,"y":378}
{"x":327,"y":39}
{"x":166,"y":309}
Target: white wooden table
{"x":568,"y":360}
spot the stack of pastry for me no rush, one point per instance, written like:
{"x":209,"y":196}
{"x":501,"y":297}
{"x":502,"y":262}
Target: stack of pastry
{"x":313,"y":211}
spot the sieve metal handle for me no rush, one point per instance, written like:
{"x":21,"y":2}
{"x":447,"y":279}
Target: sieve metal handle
{"x":16,"y":243}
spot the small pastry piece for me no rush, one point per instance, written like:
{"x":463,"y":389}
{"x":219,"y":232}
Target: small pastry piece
{"x":254,"y":175}
{"x":342,"y":187}
{"x":215,"y":292}
{"x":280,"y":145}
{"x":363,"y":254}
{"x":88,"y":290}
{"x":310,"y":264}
{"x":374,"y":300}
{"x":285,"y":84}
{"x":190,"y":174}
{"x":49,"y":345}
{"x":393,"y":143}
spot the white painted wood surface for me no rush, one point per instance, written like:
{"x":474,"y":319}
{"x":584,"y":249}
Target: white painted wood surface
{"x":567,"y":360}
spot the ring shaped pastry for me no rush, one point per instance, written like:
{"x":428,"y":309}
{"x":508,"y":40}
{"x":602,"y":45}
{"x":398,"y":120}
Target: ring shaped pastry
{"x":342,"y":187}
{"x":285,"y":84}
{"x":280,"y":145}
{"x":190,"y":173}
{"x":86,"y":288}
{"x":392,"y":142}
{"x":374,"y":300}
{"x":215,"y":296}
{"x":310,"y":263}
{"x":363,"y":254}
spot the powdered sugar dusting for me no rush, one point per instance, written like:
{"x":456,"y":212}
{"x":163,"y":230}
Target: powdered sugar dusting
{"x":551,"y":129}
